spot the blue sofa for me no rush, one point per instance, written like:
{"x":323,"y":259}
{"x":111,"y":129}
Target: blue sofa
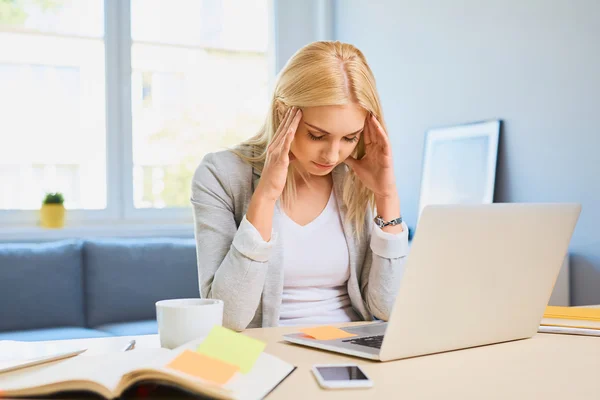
{"x":72,"y":289}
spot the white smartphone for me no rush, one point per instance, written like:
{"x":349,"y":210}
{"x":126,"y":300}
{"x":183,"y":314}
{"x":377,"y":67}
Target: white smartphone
{"x":341,"y":376}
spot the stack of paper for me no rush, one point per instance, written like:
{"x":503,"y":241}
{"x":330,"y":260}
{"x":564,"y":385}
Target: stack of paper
{"x":573,"y":320}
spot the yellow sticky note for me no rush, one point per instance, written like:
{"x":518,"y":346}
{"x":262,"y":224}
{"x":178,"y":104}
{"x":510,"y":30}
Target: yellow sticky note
{"x":232,"y":347}
{"x":326,"y":333}
{"x":203,"y":367}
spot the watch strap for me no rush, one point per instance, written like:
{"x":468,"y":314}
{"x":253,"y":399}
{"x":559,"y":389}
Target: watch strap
{"x":383,"y":223}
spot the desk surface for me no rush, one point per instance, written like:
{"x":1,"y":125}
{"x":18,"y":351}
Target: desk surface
{"x":548,"y":366}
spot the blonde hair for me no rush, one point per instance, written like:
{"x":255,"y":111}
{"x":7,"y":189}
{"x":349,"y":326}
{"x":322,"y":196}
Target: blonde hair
{"x":320,"y":74}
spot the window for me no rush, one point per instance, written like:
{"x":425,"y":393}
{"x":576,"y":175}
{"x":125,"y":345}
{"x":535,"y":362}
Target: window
{"x":52,"y":130}
{"x":199,"y":83}
{"x":198,"y":73}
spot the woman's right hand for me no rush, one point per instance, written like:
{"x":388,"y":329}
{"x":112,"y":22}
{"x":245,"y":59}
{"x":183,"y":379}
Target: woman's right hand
{"x":274,"y":173}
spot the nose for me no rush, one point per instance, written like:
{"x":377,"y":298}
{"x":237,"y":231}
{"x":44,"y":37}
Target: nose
{"x":331,"y":152}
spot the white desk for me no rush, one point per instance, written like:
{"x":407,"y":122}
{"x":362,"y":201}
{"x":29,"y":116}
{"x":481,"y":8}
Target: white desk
{"x":545,"y":367}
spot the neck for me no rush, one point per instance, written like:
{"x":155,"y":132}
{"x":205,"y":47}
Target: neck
{"x":313,"y":182}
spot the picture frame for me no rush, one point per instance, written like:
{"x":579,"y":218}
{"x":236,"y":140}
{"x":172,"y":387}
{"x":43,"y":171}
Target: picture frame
{"x":459,"y":164}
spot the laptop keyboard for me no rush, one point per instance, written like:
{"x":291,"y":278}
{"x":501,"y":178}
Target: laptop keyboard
{"x":369,"y":341}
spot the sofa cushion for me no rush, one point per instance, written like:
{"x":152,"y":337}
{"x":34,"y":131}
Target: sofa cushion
{"x":149,"y":327}
{"x":124,"y":278}
{"x":41,"y":285}
{"x":60,"y":333}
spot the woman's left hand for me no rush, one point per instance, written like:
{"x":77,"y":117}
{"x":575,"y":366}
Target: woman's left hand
{"x":376,"y":168}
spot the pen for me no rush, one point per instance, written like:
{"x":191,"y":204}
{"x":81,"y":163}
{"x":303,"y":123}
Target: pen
{"x":130,"y":346}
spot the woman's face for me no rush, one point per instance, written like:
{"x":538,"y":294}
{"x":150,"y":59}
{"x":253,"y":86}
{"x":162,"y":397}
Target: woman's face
{"x":326,"y":136}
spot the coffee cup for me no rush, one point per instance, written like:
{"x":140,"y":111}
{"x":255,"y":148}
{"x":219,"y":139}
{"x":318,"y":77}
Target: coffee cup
{"x":183,"y":320}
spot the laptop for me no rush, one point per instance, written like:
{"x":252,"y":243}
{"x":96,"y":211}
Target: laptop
{"x":475,"y":275}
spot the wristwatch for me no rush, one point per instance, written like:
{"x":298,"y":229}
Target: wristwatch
{"x":382,"y":223}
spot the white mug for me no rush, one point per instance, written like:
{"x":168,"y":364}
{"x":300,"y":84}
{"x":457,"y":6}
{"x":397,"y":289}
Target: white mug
{"x":183,"y":320}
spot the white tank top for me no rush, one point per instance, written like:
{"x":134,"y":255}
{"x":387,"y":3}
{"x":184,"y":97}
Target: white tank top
{"x":316,"y":269}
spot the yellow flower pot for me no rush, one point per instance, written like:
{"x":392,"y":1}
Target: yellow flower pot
{"x":52,"y":216}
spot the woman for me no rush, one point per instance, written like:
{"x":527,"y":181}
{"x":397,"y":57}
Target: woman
{"x":284,"y":222}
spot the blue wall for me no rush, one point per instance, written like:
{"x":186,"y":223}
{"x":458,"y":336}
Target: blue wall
{"x":534,"y":64}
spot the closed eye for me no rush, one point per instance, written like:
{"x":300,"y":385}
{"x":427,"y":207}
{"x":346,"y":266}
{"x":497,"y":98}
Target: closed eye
{"x":312,"y":136}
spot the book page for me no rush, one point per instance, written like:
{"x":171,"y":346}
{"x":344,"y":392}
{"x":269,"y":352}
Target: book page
{"x":106,"y":370}
{"x":256,"y":384}
{"x":109,"y":374}
{"x":267,"y":372}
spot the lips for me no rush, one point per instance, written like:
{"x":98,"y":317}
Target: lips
{"x":324,"y":166}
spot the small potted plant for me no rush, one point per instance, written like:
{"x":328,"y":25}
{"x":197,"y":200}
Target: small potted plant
{"x":52,"y":214}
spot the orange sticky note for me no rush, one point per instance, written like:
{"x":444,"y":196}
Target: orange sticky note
{"x":203,"y":367}
{"x":326,"y":333}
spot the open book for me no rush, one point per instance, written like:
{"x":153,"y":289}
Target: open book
{"x":111,"y":374}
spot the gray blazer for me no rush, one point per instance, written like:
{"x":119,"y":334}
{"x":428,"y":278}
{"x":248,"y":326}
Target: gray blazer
{"x":237,"y":266}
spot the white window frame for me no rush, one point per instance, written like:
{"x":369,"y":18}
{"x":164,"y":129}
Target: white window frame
{"x":120,"y":209}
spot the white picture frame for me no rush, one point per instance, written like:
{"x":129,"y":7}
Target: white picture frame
{"x":459,"y":164}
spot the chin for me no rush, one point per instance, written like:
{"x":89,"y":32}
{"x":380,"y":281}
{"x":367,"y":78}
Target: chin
{"x":319,"y":172}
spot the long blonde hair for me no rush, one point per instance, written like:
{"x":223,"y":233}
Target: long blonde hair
{"x":321,"y":73}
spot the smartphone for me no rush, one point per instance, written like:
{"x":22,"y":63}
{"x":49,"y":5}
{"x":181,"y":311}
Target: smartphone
{"x":341,"y":376}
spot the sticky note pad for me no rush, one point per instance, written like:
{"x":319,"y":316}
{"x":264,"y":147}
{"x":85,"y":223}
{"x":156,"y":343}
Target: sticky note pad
{"x":232,"y":348}
{"x":203,"y":367}
{"x":326,"y":333}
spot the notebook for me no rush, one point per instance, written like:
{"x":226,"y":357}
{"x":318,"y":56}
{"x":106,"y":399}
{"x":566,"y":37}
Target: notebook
{"x":111,"y":374}
{"x":573,"y":320}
